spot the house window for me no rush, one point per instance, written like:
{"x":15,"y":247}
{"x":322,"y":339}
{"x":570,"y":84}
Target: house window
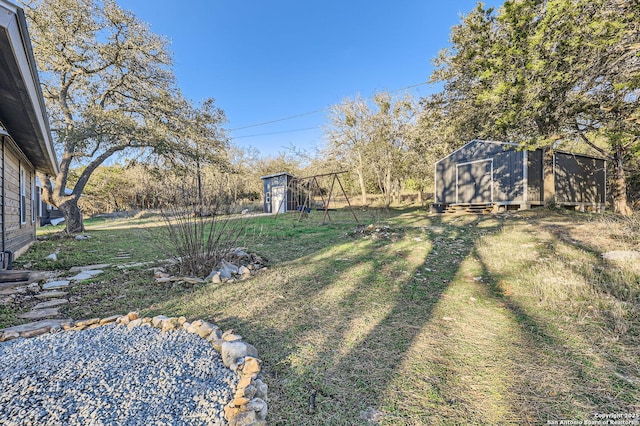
{"x":34,"y":211}
{"x":23,"y":196}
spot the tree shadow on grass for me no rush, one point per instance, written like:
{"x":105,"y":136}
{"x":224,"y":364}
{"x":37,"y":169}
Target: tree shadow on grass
{"x":562,"y":369}
{"x":342,"y":321}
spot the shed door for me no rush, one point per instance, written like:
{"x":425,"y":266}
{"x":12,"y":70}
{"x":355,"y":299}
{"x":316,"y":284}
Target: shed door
{"x":278,"y":203}
{"x":474,"y":182}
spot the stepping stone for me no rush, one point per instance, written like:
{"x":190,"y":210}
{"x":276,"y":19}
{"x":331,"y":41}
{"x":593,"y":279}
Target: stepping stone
{"x":50,"y":323}
{"x":40,"y":314}
{"x":89,"y":267}
{"x":14,"y":290}
{"x":86,"y":275}
{"x":50,"y":294}
{"x":51,"y":303}
{"x":53,"y":285}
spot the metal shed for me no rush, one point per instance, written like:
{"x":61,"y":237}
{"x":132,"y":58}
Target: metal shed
{"x":489,"y":174}
{"x":278,"y":196}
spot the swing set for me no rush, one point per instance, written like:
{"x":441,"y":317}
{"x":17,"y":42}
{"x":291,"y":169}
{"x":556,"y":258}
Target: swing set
{"x":306,"y":189}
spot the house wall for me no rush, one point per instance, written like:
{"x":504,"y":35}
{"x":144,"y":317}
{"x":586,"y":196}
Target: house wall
{"x":16,"y":236}
{"x":460,"y":170}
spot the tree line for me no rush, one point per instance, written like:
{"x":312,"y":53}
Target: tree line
{"x":542,"y":73}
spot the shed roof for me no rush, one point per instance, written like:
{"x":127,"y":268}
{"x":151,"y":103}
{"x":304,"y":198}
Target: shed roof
{"x":276,"y":174}
{"x":513,"y":144}
{"x":476,"y":141}
{"x":22,"y":110}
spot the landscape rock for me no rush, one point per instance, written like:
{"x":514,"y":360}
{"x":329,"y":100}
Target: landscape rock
{"x":240,"y":252}
{"x":227,"y":269}
{"x":89,"y":267}
{"x":50,"y":294}
{"x":52,"y":257}
{"x":259,"y":406}
{"x":216,"y":279}
{"x":232,"y":351}
{"x":261,"y":389}
{"x":40,"y":314}
{"x":51,"y":303}
{"x":157,"y":320}
{"x":9,"y":335}
{"x":621,"y":255}
{"x":86,"y":275}
{"x":53,"y":285}
{"x":244,"y":271}
{"x":109,"y":320}
{"x":82,"y":237}
{"x":134,"y":323}
{"x":245,"y":418}
{"x":86,"y":323}
{"x":49,"y":323}
{"x":251,"y":365}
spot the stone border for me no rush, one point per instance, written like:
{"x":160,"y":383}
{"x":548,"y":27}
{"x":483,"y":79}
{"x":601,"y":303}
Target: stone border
{"x":248,"y":406}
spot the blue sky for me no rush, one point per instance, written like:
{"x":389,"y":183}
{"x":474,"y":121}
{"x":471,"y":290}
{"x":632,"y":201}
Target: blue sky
{"x":268,"y":60}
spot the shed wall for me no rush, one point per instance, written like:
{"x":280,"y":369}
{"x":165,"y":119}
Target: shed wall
{"x":535,"y":179}
{"x":276,"y":181}
{"x":579,"y":179}
{"x":467,"y":168}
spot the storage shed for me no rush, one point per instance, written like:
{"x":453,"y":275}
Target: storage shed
{"x":278,"y":195}
{"x":25,"y":138}
{"x":489,"y":174}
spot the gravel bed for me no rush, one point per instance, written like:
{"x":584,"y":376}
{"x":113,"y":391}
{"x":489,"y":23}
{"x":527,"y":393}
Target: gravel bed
{"x":111,"y":375}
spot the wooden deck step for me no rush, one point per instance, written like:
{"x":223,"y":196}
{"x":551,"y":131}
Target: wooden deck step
{"x":10,"y":279}
{"x":484,"y":208}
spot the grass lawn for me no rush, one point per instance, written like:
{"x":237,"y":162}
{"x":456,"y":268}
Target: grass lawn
{"x":419,"y":319}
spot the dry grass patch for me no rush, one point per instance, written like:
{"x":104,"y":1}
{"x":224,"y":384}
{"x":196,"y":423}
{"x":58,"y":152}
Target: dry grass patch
{"x":433,"y":319}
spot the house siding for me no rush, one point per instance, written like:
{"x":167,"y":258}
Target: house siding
{"x":17,"y":235}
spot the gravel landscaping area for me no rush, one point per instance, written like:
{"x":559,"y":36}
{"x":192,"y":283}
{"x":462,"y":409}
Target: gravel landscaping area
{"x":113,"y":375}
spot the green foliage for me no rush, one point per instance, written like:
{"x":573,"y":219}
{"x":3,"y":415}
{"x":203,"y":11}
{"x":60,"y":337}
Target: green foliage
{"x":536,"y":72}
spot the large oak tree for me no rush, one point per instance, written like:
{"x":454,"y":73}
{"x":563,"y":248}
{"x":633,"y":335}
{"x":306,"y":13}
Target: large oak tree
{"x":109,"y":87}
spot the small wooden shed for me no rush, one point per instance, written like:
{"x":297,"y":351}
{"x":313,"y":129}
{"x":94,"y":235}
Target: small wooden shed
{"x":278,"y":195}
{"x":496,"y":174}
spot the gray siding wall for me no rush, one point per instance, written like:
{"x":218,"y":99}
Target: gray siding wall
{"x":467,"y":168}
{"x":17,"y":235}
{"x":268,"y":185}
{"x":579,"y":179}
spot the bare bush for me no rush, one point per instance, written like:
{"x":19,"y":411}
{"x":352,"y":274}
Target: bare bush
{"x":198,"y":232}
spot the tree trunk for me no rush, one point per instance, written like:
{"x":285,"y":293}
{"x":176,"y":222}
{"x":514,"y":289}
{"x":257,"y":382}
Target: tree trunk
{"x":363,"y":188}
{"x":548,"y":183}
{"x":620,"y":204}
{"x":72,"y":216}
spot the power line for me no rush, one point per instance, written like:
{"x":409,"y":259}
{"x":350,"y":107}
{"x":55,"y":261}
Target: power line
{"x":276,"y":133}
{"x":277,"y":120}
{"x":264,"y":123}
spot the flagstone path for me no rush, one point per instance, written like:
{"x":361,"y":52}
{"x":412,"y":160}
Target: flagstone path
{"x":45,"y":315}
